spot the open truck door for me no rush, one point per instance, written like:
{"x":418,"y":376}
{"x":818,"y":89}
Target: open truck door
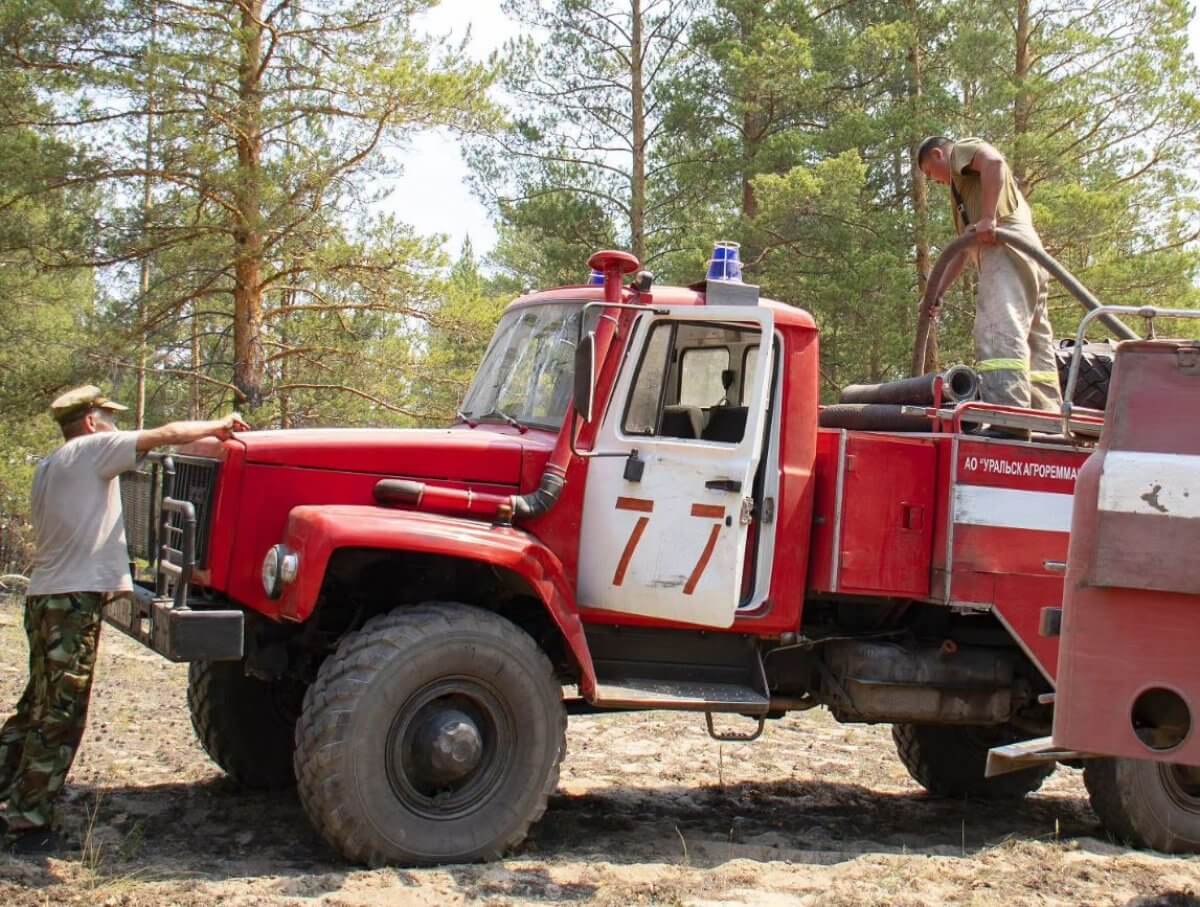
{"x":668,"y":506}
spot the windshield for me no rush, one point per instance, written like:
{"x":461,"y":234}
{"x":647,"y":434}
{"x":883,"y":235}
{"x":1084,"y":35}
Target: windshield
{"x":529,"y":367}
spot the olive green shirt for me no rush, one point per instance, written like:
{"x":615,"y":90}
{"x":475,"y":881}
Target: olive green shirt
{"x":1011,"y":208}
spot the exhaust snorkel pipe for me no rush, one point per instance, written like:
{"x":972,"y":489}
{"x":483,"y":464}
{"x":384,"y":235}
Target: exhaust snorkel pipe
{"x":528,"y":506}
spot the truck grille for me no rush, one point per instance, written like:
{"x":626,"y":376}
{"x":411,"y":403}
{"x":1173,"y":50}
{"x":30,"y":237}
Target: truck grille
{"x":196,"y":481}
{"x":139,"y":501}
{"x":142,"y":491}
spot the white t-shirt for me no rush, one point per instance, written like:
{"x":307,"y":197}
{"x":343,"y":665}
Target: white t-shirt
{"x":78,"y":525}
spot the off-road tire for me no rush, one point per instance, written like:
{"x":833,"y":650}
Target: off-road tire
{"x":354,"y":782}
{"x":949,"y":761}
{"x":1138,"y":802}
{"x":1095,"y":373}
{"x":246,"y":725}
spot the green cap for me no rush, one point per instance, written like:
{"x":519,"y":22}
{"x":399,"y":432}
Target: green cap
{"x":80,"y":399}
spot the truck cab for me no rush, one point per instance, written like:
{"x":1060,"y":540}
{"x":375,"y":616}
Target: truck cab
{"x":642,"y":506}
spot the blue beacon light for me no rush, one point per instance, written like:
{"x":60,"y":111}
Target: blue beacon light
{"x":725,"y":263}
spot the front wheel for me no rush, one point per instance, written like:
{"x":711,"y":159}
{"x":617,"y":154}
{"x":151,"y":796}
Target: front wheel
{"x":246,"y":725}
{"x":1147,"y":804}
{"x":433,"y":735}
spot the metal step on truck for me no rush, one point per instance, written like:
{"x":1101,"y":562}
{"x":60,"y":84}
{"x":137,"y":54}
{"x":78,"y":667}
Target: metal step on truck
{"x":643,"y":505}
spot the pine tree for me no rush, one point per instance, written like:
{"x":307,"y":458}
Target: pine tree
{"x":267,"y":122}
{"x":588,"y":147}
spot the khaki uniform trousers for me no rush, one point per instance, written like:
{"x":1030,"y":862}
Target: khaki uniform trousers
{"x":1014,"y":342}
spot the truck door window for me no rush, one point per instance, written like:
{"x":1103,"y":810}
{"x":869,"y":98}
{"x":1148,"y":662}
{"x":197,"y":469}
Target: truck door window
{"x":641,"y":417}
{"x":679,"y":388}
{"x":749,"y":367}
{"x":700,"y":376}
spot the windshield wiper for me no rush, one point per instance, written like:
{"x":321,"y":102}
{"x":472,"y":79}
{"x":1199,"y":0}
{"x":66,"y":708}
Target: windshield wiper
{"x":522,"y":428}
{"x":465,"y":417}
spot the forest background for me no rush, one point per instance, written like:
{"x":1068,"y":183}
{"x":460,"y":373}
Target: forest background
{"x":194,"y":210}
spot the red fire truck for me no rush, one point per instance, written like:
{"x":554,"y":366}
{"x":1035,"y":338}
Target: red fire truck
{"x":642,"y":506}
{"x":1129,"y":679}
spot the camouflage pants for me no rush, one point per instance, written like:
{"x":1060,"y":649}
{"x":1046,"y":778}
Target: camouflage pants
{"x":38,"y":743}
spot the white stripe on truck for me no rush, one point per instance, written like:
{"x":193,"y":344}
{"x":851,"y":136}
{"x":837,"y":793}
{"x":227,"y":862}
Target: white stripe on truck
{"x":1158,"y":484}
{"x":1010,"y":508}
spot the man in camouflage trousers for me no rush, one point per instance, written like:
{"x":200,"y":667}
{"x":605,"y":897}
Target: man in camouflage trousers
{"x":81,"y":562}
{"x":1014,"y":342}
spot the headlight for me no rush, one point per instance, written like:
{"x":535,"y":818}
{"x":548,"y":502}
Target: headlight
{"x":289,"y":565}
{"x":279,"y":568}
{"x":270,"y":573}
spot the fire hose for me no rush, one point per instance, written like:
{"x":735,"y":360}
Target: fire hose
{"x":958,"y":383}
{"x":937,"y":286}
{"x":880,"y":407}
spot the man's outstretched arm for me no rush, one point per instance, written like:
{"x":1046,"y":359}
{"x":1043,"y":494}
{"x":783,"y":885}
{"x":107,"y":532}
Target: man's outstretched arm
{"x":186,"y":432}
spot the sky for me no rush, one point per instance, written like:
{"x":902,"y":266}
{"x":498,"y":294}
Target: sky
{"x":432,"y":192}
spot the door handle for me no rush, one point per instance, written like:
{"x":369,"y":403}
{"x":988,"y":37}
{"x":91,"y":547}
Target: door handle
{"x":723,"y":485}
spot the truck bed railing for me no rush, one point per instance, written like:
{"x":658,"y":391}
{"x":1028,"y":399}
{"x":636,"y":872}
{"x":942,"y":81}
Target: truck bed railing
{"x":1085,"y":423}
{"x":1106,"y":312}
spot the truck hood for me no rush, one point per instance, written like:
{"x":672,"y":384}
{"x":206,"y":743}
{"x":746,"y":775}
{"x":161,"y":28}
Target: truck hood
{"x":456,"y":454}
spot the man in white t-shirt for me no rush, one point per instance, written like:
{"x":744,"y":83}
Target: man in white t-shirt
{"x":81,"y":561}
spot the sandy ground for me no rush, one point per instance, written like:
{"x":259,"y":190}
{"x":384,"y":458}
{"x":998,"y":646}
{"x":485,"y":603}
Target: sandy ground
{"x":649,"y":811}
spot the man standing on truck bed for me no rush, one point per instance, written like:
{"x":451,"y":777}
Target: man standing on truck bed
{"x":81,"y":561}
{"x":1014,"y":342}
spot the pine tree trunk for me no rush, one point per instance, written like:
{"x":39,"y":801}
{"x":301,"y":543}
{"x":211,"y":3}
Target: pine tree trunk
{"x":285,"y":397}
{"x":249,"y":361}
{"x":750,"y":130}
{"x":752,"y":137}
{"x":920,"y":187}
{"x":637,"y":201}
{"x":1022,"y":105}
{"x":749,"y":151}
{"x":194,"y":389}
{"x":144,"y":265}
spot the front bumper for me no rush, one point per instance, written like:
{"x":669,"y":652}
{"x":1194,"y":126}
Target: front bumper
{"x":178,"y":633}
{"x":163,"y":618}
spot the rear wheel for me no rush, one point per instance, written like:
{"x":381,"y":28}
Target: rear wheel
{"x":246,"y":725}
{"x":433,"y":735}
{"x":1147,"y":804}
{"x":949,"y":761}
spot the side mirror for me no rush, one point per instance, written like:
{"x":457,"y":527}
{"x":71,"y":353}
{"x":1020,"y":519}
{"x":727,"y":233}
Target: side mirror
{"x":585,"y":376}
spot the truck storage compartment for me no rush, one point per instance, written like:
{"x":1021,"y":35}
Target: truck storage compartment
{"x":874,"y":516}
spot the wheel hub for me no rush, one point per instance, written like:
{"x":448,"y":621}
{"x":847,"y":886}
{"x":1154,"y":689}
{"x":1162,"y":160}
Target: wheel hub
{"x":446,"y":747}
